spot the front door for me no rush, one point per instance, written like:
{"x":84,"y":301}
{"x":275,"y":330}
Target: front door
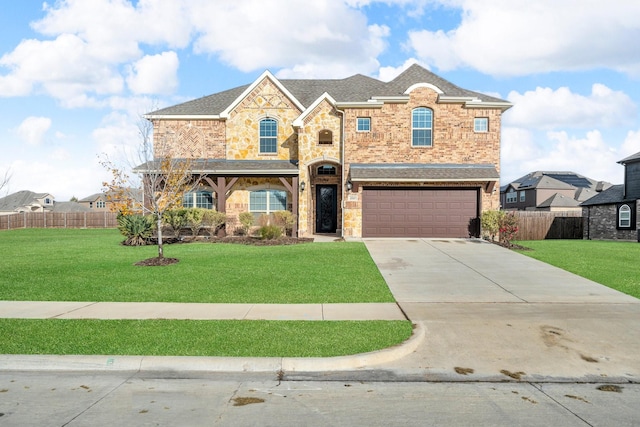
{"x":326,"y":208}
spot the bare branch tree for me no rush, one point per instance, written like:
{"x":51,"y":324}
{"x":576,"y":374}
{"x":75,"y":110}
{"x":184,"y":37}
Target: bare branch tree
{"x":4,"y":179}
{"x":165,"y":180}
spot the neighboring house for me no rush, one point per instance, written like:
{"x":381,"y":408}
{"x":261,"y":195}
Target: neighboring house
{"x":550,"y":191}
{"x":28,"y":201}
{"x":615,"y":213}
{"x":95,"y":202}
{"x":416,"y":156}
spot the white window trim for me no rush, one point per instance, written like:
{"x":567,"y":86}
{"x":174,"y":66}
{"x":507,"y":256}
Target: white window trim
{"x":484,"y":128}
{"x":624,"y":215}
{"x":413,"y":144}
{"x":368,"y":119}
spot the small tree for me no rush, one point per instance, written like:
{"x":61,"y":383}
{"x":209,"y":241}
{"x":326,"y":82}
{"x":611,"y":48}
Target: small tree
{"x":213,"y":220}
{"x":165,"y":180}
{"x":285,"y":220}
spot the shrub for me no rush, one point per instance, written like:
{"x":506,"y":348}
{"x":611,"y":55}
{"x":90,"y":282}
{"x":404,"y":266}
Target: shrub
{"x":175,"y":220}
{"x":508,"y":228}
{"x":213,"y":220}
{"x":136,"y":228}
{"x":246,"y":220}
{"x":490,"y":223}
{"x":285,"y":220}
{"x":270,"y":232}
{"x":194,"y":219}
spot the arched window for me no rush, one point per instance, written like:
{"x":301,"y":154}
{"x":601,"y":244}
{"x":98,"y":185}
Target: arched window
{"x":268,"y":136}
{"x":422,"y":127}
{"x":325,"y":136}
{"x":326,"y":170}
{"x":624,"y":216}
{"x":198,"y":199}
{"x":267,"y":202}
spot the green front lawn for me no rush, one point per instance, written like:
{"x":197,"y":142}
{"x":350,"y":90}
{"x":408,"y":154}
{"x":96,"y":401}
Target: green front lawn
{"x":91,"y":265}
{"x":238,"y":338}
{"x":613,"y":264}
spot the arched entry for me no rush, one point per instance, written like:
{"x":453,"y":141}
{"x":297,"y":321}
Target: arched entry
{"x":325,"y":180}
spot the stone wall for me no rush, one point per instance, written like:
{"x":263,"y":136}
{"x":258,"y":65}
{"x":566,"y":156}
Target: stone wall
{"x":243,"y":135}
{"x":600,"y":223}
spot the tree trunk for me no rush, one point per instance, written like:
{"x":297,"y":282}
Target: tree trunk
{"x":160,"y":248}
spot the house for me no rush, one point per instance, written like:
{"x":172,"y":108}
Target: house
{"x":614,"y":214}
{"x":550,"y":191}
{"x":417,"y":156}
{"x":28,"y":201}
{"x":103,"y":202}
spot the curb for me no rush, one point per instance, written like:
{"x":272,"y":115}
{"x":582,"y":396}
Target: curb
{"x":195,"y":364}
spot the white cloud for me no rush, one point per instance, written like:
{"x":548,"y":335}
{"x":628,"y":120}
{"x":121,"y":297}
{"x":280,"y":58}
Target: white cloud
{"x":545,"y":108}
{"x":589,"y":155}
{"x":631,"y":144}
{"x":387,"y":74}
{"x":33,"y":129}
{"x":312,"y":39}
{"x":154,"y":74}
{"x":518,"y":37}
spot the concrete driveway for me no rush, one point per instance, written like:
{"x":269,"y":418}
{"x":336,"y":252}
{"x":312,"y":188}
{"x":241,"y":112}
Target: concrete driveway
{"x":493,"y":314}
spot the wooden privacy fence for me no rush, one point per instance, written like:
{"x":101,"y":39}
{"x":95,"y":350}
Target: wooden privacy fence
{"x":58,"y":220}
{"x":549,"y":225}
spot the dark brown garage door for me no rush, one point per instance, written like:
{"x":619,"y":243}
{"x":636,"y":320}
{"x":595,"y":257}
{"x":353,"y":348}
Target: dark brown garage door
{"x":418,"y":212}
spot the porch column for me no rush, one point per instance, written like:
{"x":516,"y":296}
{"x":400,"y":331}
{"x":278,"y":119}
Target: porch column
{"x":293,"y":189}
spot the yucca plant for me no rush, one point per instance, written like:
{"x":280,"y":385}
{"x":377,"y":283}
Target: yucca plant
{"x":136,"y":228}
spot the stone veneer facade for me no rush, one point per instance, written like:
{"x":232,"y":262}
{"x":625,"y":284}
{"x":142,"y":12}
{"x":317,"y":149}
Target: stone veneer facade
{"x":600,"y":223}
{"x":236,"y":137}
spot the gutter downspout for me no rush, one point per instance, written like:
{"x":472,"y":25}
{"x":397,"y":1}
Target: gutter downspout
{"x":343,"y":179}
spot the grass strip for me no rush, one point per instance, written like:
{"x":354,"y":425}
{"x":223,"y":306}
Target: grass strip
{"x":91,"y":265}
{"x":613,"y":264}
{"x":238,"y":338}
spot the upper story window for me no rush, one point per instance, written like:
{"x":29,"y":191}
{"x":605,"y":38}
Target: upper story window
{"x":100,"y":204}
{"x":422,"y":127}
{"x":326,"y":170}
{"x":624,"y":216}
{"x":512,"y":196}
{"x":198,"y":199}
{"x":364,"y":124}
{"x":481,"y":124}
{"x":268,"y":136}
{"x":523,"y":197}
{"x":325,"y":136}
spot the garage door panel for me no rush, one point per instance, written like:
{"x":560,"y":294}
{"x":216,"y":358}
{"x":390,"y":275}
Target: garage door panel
{"x":420,"y":212}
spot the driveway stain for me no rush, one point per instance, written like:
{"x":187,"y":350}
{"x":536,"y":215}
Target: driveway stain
{"x":394,"y":264}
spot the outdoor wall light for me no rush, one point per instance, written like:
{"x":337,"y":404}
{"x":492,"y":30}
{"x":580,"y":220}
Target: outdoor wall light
{"x":302,"y":185}
{"x":349,"y":185}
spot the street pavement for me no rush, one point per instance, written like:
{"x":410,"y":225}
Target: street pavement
{"x":55,"y":399}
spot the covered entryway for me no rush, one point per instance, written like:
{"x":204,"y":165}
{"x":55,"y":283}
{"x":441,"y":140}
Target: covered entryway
{"x":419,"y":212}
{"x":326,"y":208}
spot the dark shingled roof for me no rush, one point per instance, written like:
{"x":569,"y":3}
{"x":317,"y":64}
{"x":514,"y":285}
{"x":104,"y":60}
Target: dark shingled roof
{"x":357,"y":88}
{"x":613,"y":194}
{"x":422,"y":172}
{"x":631,"y":159}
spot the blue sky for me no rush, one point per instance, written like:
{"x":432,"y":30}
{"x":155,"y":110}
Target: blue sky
{"x":76,"y":75}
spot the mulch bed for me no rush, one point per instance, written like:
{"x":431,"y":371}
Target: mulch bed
{"x":238,"y":240}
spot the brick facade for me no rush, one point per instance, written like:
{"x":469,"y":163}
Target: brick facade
{"x":314,"y":137}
